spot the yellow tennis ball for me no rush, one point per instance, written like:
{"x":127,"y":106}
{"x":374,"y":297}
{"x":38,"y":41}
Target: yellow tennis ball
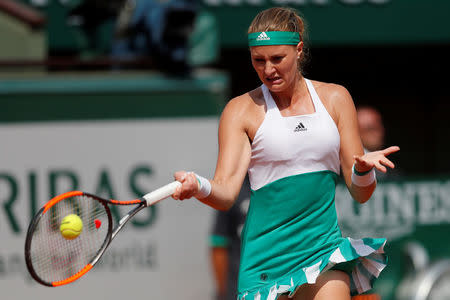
{"x":71,"y":226}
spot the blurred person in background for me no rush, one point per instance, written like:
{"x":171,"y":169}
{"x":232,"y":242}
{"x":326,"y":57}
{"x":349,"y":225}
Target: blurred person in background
{"x":292,"y":135}
{"x":371,"y":128}
{"x":144,"y":30}
{"x":159,"y":30}
{"x":372,"y":132}
{"x":173,"y":36}
{"x":225,"y":243}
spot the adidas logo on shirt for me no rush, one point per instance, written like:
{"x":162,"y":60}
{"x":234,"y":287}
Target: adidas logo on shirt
{"x":263,"y":37}
{"x":300,"y":127}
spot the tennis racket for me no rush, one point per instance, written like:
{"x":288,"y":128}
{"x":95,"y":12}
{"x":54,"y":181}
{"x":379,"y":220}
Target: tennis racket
{"x":53,"y":260}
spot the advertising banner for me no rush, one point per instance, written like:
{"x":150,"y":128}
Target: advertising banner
{"x":162,"y":253}
{"x":413,"y":214}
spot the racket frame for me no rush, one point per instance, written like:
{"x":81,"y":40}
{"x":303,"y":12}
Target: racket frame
{"x":145,"y":201}
{"x":111,"y":233}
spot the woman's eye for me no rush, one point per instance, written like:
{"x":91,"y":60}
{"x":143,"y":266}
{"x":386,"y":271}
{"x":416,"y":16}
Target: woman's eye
{"x":277,"y":58}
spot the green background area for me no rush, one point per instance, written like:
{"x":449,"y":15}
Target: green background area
{"x":111,"y":96}
{"x":337,"y":23}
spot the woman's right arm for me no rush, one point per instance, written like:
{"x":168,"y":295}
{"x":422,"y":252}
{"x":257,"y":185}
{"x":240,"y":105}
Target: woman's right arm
{"x":232,"y":162}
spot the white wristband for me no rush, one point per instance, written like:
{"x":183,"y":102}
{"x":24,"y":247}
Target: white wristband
{"x":205,"y":187}
{"x":363,"y":180}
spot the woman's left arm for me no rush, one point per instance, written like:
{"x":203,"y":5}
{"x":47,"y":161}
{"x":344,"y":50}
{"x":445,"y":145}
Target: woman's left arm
{"x":357,"y":167}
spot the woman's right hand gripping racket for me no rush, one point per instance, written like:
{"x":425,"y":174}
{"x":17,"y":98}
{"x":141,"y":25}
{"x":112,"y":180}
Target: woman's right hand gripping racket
{"x":71,"y":232}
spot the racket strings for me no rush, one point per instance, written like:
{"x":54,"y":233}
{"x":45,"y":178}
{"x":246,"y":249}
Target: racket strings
{"x":55,"y":258}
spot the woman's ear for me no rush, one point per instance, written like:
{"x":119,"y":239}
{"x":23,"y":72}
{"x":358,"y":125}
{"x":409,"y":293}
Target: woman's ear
{"x":299,"y":49}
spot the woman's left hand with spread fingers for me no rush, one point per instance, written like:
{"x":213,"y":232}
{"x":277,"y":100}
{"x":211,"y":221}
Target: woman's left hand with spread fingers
{"x":375,"y":159}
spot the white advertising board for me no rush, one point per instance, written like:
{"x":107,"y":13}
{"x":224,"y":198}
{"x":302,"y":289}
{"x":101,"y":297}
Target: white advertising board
{"x":162,"y":254}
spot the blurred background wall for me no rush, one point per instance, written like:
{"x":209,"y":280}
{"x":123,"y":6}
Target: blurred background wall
{"x":136,"y":75}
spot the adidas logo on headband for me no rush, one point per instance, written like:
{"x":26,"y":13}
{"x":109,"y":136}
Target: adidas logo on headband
{"x":263,"y":37}
{"x":266,"y":38}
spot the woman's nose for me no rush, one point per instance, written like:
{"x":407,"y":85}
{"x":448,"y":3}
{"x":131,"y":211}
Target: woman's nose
{"x":268,"y":68}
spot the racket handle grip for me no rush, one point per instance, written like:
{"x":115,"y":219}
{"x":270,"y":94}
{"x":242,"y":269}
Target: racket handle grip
{"x":161,"y":193}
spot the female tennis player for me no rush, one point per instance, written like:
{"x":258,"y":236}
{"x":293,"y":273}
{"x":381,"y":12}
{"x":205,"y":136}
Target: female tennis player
{"x":294,"y":136}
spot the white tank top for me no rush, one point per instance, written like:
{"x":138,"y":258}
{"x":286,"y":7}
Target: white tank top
{"x":286,"y":146}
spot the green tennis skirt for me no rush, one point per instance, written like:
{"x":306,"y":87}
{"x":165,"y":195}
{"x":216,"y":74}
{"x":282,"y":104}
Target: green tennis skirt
{"x":291,"y":236}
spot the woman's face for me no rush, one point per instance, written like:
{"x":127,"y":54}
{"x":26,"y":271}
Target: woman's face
{"x":276,"y":65}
